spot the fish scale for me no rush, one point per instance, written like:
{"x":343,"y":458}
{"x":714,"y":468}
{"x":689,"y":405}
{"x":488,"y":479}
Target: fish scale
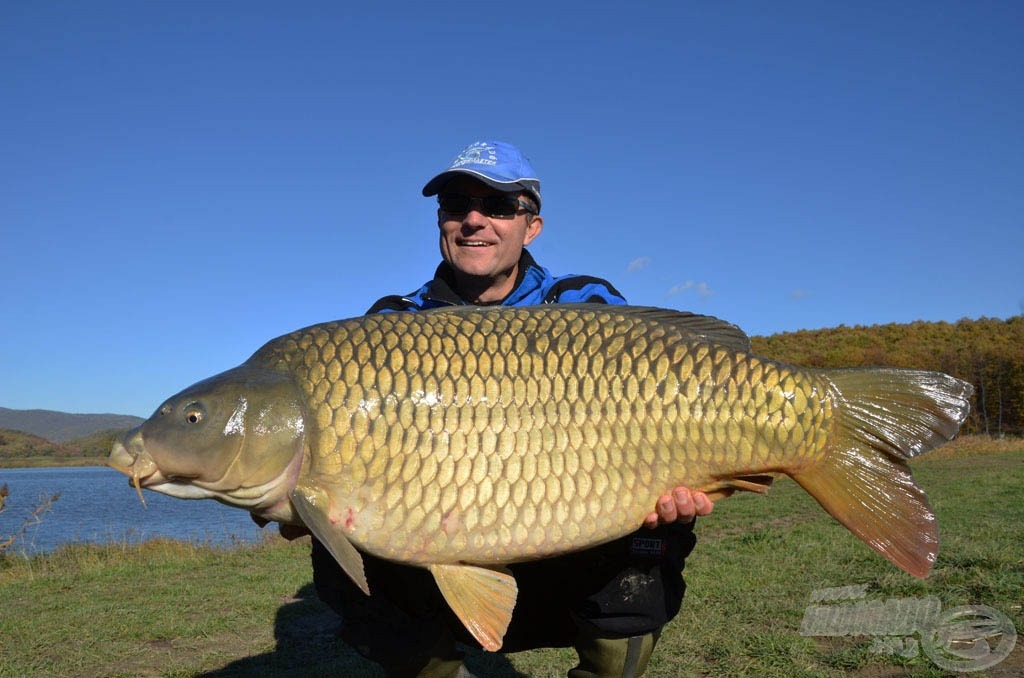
{"x":514,"y":386}
{"x":464,"y":439}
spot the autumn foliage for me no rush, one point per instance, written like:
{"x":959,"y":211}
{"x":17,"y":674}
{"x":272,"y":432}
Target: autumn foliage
{"x":989,"y":353}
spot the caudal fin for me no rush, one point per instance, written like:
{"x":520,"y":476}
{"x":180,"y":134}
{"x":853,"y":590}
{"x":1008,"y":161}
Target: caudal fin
{"x":886,"y":416}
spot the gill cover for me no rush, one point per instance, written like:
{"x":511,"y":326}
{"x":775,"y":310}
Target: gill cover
{"x":235,"y":437}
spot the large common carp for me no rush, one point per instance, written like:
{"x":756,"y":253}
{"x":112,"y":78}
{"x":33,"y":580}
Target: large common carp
{"x":463,"y":439}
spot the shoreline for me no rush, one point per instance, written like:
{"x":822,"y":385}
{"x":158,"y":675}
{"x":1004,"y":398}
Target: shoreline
{"x":51,"y":462}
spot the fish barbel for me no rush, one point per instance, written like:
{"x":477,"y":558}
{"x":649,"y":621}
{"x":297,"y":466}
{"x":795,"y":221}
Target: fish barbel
{"x":463,"y":439}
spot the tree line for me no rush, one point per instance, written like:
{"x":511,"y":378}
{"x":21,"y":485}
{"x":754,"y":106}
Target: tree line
{"x":19,"y":445}
{"x":988,"y":353}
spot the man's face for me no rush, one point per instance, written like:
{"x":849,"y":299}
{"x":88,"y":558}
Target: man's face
{"x":483,"y":248}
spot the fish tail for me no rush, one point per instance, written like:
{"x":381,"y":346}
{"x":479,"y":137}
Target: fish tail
{"x":886,"y":416}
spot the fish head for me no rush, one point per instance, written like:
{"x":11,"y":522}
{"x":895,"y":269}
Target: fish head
{"x":237,"y":437}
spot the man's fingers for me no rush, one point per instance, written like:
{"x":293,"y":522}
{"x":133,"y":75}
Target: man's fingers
{"x":679,"y":506}
{"x":702,"y":504}
{"x":668,"y":509}
{"x":684,"y":504}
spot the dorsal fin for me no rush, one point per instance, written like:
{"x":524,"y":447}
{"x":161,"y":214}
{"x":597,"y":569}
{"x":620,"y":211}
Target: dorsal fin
{"x":700,"y":327}
{"x":704,"y":327}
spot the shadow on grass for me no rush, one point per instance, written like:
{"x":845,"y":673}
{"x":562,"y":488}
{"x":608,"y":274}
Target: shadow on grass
{"x":306,"y":631}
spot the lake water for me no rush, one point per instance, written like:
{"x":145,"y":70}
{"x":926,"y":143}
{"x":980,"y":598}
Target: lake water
{"x":97,"y":504}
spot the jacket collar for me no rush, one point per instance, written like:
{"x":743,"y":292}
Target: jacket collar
{"x":442,"y":288}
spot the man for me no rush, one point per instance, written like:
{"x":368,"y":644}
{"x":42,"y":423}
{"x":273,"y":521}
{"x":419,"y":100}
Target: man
{"x":609,"y":602}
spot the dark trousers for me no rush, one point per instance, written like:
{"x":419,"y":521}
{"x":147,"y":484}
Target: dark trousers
{"x":629,"y":587}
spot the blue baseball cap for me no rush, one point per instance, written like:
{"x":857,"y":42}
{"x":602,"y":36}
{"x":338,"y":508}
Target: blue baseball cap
{"x":496,"y":163}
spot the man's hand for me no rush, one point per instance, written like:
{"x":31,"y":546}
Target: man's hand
{"x":679,"y":506}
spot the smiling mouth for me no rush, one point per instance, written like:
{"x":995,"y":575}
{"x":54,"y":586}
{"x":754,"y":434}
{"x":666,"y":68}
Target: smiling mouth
{"x":472,"y":243}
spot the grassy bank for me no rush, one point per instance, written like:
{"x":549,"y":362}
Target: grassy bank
{"x":50,"y":461}
{"x":165,"y":608}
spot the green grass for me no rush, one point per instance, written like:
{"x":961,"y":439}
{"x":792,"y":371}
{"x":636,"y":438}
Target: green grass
{"x":172,"y":609}
{"x":758,"y":560}
{"x":44,"y":461}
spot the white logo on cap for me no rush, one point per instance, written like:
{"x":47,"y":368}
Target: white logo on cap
{"x":477,"y":154}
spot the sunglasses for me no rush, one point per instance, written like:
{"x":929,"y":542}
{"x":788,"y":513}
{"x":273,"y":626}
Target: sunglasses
{"x":491,"y":205}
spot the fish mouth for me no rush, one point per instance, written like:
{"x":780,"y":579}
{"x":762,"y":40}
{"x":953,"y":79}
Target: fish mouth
{"x":143,"y":472}
{"x":137,"y":465}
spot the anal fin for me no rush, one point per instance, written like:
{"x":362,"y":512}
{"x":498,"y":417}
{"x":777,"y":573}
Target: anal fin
{"x":724,"y":487}
{"x":482,"y":598}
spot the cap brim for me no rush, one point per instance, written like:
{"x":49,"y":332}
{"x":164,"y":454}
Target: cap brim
{"x":435,"y":185}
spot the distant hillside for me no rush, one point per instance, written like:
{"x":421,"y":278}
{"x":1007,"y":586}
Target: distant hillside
{"x":988,"y":352}
{"x":60,"y":427}
{"x":17,"y":444}
{"x":18,"y":448}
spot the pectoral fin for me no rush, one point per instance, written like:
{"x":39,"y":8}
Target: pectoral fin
{"x":481,"y":597}
{"x":313,"y":504}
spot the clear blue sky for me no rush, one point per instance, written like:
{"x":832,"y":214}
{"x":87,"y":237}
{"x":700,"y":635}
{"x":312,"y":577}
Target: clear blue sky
{"x":182,"y":181}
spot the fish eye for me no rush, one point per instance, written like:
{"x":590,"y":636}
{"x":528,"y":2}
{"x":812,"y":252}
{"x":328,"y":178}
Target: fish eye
{"x":194,"y":413}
